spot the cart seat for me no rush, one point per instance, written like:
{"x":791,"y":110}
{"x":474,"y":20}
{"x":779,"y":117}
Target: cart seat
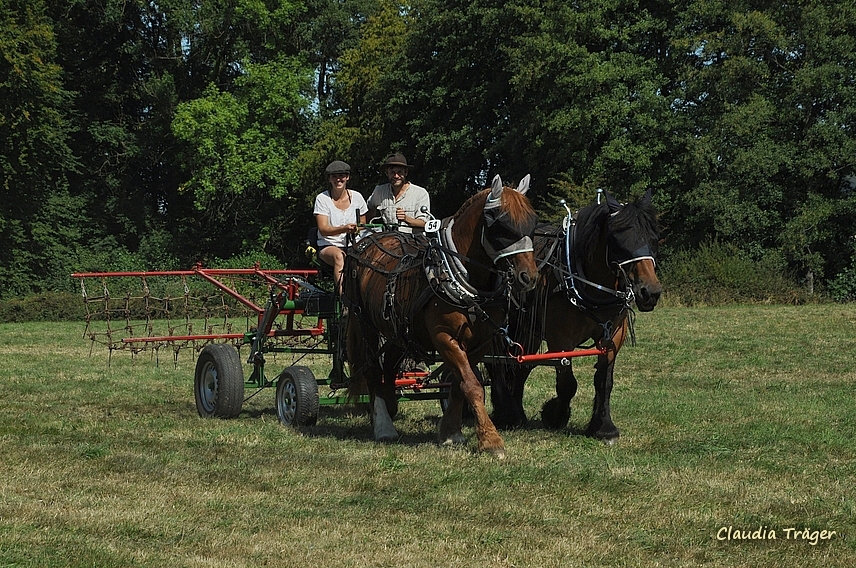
{"x":312,"y":243}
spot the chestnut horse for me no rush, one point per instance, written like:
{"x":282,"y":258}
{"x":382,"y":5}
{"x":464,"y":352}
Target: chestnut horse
{"x":447,"y":293}
{"x":593,"y":269}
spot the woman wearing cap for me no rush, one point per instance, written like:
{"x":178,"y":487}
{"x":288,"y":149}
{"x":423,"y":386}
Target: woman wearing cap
{"x":399,"y":202}
{"x":337,"y":212}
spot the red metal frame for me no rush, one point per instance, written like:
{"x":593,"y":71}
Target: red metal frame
{"x":272,"y":277}
{"x":559,"y":355}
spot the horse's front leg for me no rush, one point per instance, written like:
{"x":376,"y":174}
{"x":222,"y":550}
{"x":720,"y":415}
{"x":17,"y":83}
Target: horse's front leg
{"x":601,"y":425}
{"x":468,"y":389}
{"x":489,"y":439}
{"x":557,"y":411}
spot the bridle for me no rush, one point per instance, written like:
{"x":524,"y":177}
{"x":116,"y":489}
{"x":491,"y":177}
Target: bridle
{"x":616,"y":302}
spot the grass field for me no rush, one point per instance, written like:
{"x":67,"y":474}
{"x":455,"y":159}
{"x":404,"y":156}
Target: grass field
{"x":734,"y":420}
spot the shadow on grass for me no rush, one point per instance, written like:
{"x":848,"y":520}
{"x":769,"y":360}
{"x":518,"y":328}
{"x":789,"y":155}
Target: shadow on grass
{"x":351,"y":422}
{"x":537,"y":425}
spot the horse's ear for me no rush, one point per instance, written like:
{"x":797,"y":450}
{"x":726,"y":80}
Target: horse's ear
{"x":612,"y":202}
{"x":647,"y":197}
{"x":495,"y":189}
{"x":523,"y":186}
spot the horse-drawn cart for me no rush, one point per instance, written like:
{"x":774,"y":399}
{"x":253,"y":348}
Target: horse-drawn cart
{"x":407,"y":298}
{"x":236,"y":316}
{"x":219,"y":314}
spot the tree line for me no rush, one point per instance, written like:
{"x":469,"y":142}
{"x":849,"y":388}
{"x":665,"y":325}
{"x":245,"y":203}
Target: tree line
{"x":151,"y":135}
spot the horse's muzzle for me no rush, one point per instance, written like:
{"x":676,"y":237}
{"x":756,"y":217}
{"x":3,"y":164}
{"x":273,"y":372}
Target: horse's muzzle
{"x":525,"y":282}
{"x":647,"y":296}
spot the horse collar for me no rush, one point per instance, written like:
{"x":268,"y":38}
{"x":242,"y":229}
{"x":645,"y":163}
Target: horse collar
{"x":447,"y":274}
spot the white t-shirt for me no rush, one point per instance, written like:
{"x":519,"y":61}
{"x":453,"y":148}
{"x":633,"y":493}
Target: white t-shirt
{"x":336,"y":217}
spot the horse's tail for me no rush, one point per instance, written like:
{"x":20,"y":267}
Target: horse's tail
{"x":353,"y":305}
{"x":357,"y":359}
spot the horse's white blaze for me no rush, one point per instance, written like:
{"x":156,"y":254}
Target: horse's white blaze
{"x":384,"y":431}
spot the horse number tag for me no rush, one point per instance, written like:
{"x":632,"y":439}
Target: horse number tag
{"x":432,"y":225}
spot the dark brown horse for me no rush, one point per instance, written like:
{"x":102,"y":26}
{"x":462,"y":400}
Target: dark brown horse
{"x":445,"y":292}
{"x":593,"y":270}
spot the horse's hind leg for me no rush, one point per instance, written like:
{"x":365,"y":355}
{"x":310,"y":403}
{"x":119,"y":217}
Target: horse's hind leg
{"x":384,"y":403}
{"x":557,"y":411}
{"x":367,"y":376}
{"x":391,"y":366}
{"x":384,"y":430}
{"x":506,"y":395}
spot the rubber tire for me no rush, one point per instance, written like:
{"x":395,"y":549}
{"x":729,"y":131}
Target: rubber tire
{"x":219,"y":382}
{"x":297,"y":397}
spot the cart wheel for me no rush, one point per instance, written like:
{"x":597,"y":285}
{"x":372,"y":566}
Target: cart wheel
{"x":219,"y":382}
{"x":297,"y":397}
{"x":444,"y":402}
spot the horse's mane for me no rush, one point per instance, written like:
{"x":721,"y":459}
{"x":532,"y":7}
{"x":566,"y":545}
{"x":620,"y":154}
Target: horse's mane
{"x":591,"y":224}
{"x":469,"y":202}
{"x":639,"y":215}
{"x":513,"y":202}
{"x":595,"y":219}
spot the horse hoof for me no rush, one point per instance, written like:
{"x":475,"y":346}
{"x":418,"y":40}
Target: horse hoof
{"x":609,"y":439}
{"x":454,"y":440}
{"x":498,"y":453}
{"x":606,"y":435}
{"x":386,"y":436}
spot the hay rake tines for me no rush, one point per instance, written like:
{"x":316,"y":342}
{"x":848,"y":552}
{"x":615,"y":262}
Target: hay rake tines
{"x":153,"y":309}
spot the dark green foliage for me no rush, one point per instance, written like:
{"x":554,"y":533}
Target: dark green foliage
{"x":40,"y":219}
{"x":250,"y":259}
{"x":842,"y":288}
{"x":47,"y":307}
{"x":143,"y":136}
{"x":717,"y":273}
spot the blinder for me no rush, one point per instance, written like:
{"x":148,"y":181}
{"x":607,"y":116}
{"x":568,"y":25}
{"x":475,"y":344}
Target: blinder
{"x":642,"y":253}
{"x":501,"y":237}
